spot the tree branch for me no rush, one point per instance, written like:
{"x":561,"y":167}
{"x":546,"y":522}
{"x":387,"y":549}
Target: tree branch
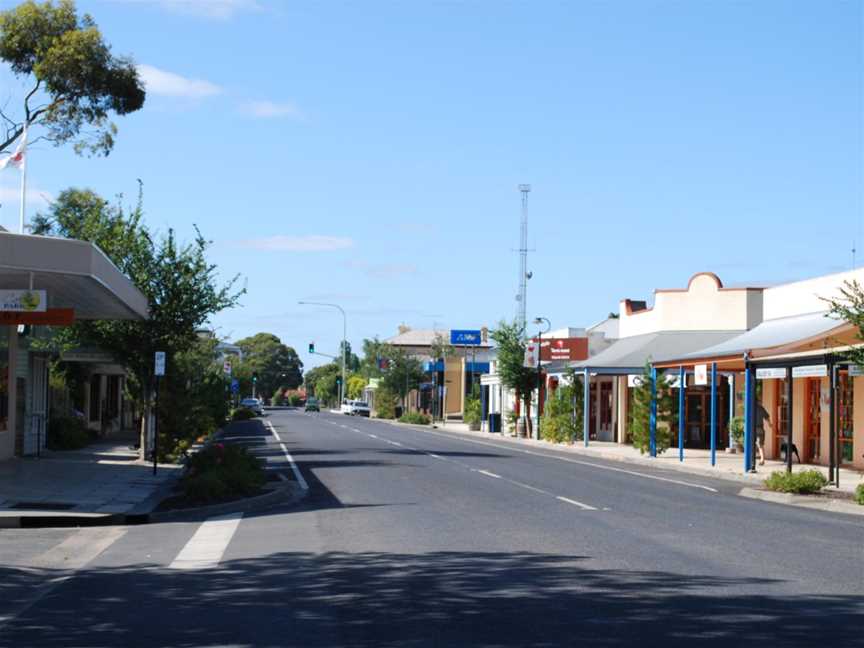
{"x":27,"y":117}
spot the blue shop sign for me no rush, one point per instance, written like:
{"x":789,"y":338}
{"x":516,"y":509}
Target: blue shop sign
{"x":465,"y":337}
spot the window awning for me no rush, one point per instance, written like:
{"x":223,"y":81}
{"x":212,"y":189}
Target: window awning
{"x":629,"y":355}
{"x":770,"y":334}
{"x":75,"y":274}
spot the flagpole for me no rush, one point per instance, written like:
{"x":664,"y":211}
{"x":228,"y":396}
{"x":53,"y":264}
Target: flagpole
{"x":23,"y":183}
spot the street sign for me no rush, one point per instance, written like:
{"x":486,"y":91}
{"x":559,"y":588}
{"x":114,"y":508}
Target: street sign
{"x":767,"y":373}
{"x":235,"y":386}
{"x":466,"y":337}
{"x":159,"y":368}
{"x":567,"y":349}
{"x":810,"y":371}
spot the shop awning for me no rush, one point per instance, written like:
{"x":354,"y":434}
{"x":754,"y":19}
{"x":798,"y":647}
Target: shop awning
{"x":75,"y":274}
{"x":629,"y":355}
{"x":771,"y":334}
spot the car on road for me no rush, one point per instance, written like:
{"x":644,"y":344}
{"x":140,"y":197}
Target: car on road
{"x":253,"y":404}
{"x":312,"y":405}
{"x":346,"y":406}
{"x":360,"y":408}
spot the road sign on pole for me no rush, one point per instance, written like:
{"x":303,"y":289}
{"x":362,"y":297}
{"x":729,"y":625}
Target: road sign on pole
{"x":235,"y":386}
{"x":226,"y":367}
{"x":158,"y":371}
{"x":159,"y":364}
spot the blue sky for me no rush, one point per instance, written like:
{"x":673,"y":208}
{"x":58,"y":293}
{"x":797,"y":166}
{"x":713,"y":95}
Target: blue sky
{"x":369,"y":153}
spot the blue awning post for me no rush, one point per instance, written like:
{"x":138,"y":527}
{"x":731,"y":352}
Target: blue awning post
{"x":748,"y":418}
{"x":483,"y":415}
{"x":713,"y":413}
{"x":682,"y":385}
{"x":653,"y":420}
{"x":586,"y":405}
{"x":731,"y":378}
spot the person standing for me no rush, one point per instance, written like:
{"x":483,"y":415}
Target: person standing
{"x":761,"y":419}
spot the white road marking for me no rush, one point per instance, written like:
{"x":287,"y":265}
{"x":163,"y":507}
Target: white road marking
{"x":297,"y":474}
{"x":432,"y":454}
{"x":529,"y":487}
{"x":273,"y":430}
{"x":282,"y":476}
{"x":487,"y":473}
{"x":206,"y":548}
{"x":372,"y":436}
{"x":573,"y":461}
{"x":69,"y":556}
{"x":575,"y":503}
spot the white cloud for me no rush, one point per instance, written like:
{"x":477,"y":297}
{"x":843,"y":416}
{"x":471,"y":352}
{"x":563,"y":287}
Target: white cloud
{"x":160,"y":82}
{"x":383,"y":270}
{"x":311,"y":243}
{"x":213,"y":9}
{"x":269,"y":109}
{"x":36,"y":198}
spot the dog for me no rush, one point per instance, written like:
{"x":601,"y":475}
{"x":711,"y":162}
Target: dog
{"x":783,"y":447}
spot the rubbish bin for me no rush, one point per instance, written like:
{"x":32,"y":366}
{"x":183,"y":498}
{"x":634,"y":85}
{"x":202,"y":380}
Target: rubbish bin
{"x":494,"y":422}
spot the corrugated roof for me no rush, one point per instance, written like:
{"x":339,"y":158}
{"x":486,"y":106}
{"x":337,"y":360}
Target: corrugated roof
{"x":768,"y":334}
{"x":634,"y":352}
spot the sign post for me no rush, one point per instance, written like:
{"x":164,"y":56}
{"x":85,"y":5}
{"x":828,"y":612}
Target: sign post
{"x":158,"y":371}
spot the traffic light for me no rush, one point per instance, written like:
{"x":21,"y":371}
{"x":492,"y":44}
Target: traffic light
{"x":255,"y":377}
{"x":311,"y":347}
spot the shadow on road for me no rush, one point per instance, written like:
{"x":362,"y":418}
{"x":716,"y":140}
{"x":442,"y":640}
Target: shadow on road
{"x":440,"y":598}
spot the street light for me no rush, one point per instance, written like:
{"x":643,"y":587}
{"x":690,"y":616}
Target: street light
{"x":344,"y":339}
{"x":540,"y":320}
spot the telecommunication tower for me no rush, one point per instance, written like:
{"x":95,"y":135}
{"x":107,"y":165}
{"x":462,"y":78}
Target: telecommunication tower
{"x":523,"y":260}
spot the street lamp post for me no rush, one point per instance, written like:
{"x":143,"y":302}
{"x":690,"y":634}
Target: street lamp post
{"x":540,"y":320}
{"x":344,"y":340}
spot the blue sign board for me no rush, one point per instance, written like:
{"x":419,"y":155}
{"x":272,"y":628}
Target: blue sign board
{"x":235,"y":386}
{"x":465,"y":338}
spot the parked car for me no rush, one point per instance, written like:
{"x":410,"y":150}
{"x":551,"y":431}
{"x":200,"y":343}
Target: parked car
{"x":312,"y":405}
{"x":253,"y":404}
{"x":347,"y":406}
{"x":360,"y":408}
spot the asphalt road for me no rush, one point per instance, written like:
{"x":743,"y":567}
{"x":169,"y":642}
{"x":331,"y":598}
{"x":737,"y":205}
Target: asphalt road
{"x":415,"y":538}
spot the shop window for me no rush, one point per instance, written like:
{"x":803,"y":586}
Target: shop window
{"x":845,"y":417}
{"x":95,"y":401}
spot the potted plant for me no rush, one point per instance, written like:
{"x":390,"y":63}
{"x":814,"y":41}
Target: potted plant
{"x":472,"y":413}
{"x":736,"y":432}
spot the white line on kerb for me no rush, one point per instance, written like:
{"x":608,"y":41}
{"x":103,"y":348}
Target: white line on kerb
{"x":206,"y":548}
{"x":575,"y":503}
{"x":297,"y":474}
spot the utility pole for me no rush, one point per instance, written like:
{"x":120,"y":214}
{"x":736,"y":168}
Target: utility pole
{"x":344,"y":341}
{"x":521,"y":298}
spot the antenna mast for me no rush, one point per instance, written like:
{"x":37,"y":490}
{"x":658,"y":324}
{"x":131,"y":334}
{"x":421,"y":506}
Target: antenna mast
{"x":523,"y":260}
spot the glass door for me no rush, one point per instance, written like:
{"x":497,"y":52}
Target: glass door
{"x":813,"y":422}
{"x":845,"y":417}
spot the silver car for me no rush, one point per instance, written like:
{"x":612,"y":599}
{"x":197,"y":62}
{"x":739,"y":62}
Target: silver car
{"x":253,"y":404}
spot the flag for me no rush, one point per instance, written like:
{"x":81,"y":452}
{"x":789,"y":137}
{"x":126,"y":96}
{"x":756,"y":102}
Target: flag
{"x":17,"y":158}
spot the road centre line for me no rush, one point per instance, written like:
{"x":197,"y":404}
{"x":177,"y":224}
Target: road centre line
{"x":573,"y":461}
{"x":487,"y":473}
{"x":206,"y":548}
{"x":585,"y":507}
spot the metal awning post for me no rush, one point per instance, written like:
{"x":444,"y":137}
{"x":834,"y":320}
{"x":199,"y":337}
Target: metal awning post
{"x":731,"y":380}
{"x":653,"y":419}
{"x":713,"y":413}
{"x":748,"y":417}
{"x":789,"y":419}
{"x":586,"y":404}
{"x":833,"y":463}
{"x":682,"y":385}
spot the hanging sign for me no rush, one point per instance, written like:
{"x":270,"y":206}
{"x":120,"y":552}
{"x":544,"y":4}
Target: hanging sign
{"x":567,"y":349}
{"x":700,"y":373}
{"x":531,"y":351}
{"x":810,"y":371}
{"x":673,"y":380}
{"x":159,"y":364}
{"x":855,"y":370}
{"x":23,"y":301}
{"x":226,"y":368}
{"x":770,"y":372}
{"x":634,"y":380}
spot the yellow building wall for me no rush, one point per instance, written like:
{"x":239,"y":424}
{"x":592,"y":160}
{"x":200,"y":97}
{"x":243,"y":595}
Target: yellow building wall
{"x":454,"y":381}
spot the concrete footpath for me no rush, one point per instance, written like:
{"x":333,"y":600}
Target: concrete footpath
{"x":97,"y":482}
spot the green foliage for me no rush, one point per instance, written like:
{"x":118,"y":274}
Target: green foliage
{"x":385,"y":404}
{"x":441,"y":348}
{"x":67,"y":433}
{"x":222,"y":471}
{"x":510,"y":343}
{"x":182,"y":292}
{"x":294,"y":400}
{"x":559,"y":424}
{"x":356,"y":385}
{"x":72,"y":81}
{"x":275,"y":363}
{"x":242,"y":414}
{"x":850,"y":308}
{"x":736,"y":429}
{"x":806,"y":481}
{"x":321,"y":382}
{"x":859,"y":494}
{"x":403,"y":373}
{"x":473,"y":411}
{"x":415,"y":418}
{"x":640,"y":413}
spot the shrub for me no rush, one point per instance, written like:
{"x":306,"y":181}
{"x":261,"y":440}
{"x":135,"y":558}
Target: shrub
{"x":294,"y":400}
{"x":736,"y":429}
{"x":859,"y":494}
{"x":557,"y":423}
{"x":221,"y":471}
{"x":415,"y":418}
{"x":385,"y":404}
{"x":806,"y":481}
{"x":473,"y":412}
{"x":242,"y":414}
{"x":67,"y":433}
